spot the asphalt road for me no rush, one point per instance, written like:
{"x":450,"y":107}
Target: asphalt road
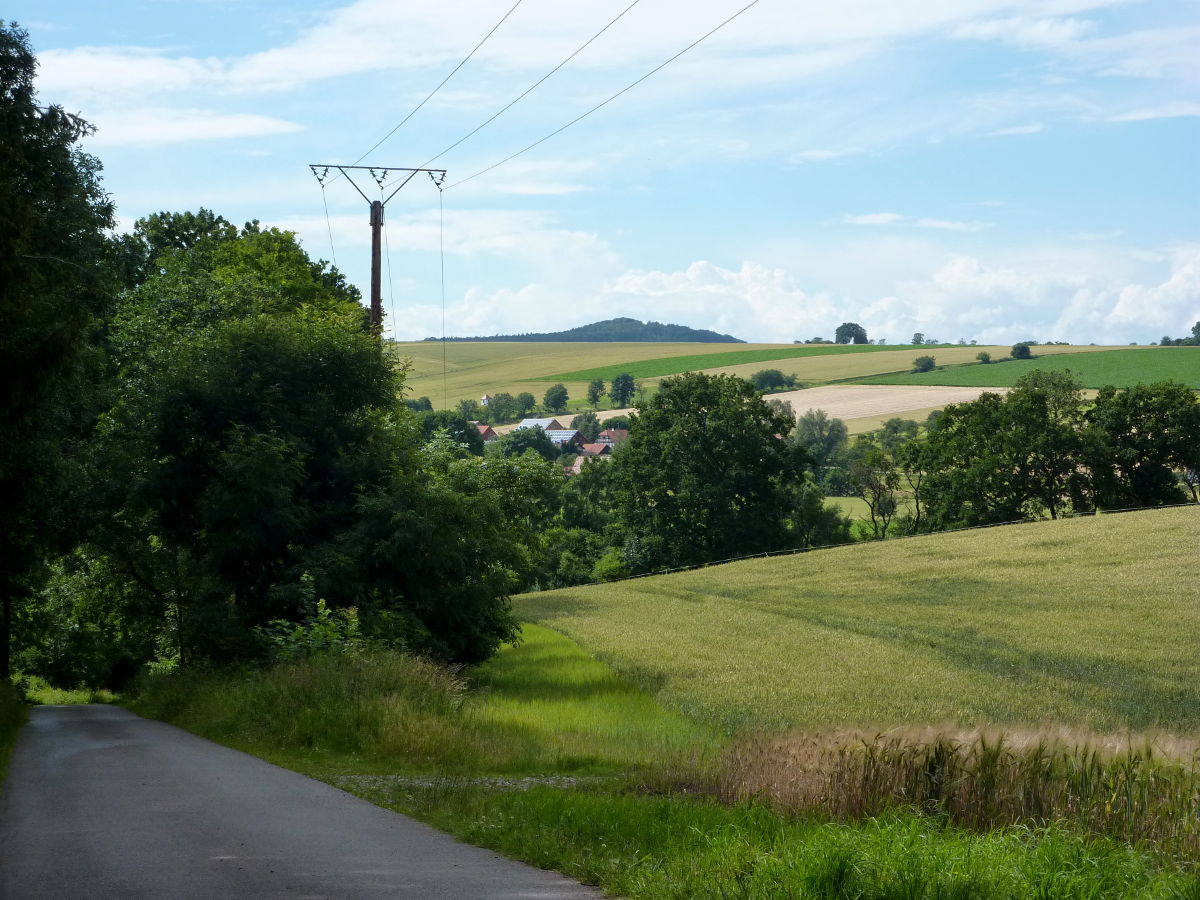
{"x":101,"y":803}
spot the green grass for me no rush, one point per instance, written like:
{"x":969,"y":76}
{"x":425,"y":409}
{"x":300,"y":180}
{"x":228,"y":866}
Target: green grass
{"x":41,"y":693}
{"x":1086,"y":622}
{"x":1121,"y":368}
{"x":686,"y":848}
{"x":13,"y":713}
{"x":540,"y":706}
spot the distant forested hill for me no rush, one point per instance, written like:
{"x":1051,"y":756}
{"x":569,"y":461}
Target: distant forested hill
{"x":617,"y":330}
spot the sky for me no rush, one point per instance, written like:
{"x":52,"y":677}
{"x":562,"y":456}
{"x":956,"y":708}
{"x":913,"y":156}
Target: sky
{"x":989,"y":170}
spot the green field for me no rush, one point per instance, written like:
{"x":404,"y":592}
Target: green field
{"x":1045,"y":622}
{"x":697,"y":362}
{"x":1121,"y":368}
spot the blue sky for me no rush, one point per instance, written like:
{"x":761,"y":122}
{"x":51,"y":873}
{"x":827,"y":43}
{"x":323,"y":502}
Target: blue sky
{"x":992,"y":170}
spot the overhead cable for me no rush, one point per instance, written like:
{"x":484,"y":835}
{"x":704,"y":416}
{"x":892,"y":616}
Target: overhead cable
{"x":441,"y":84}
{"x":604,"y":103}
{"x":533,"y":86}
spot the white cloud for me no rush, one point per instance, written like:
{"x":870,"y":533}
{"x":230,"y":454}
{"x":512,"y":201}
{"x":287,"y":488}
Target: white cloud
{"x":888,"y":218}
{"x":1025,"y":31}
{"x":1031,"y":128}
{"x":1063,"y":301}
{"x":169,"y":126}
{"x":1176,"y":110}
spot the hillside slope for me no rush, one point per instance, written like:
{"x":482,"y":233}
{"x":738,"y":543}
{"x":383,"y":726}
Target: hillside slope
{"x":620,"y":329}
{"x":1087,"y":622}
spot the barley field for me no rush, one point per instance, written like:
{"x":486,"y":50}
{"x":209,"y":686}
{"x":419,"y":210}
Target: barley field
{"x":1090,"y":622}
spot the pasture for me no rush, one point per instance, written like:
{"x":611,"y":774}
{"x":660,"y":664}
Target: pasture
{"x":1090,"y":622}
{"x":1121,"y":368}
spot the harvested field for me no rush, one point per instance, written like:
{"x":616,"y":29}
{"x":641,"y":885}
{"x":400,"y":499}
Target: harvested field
{"x":862,"y":401}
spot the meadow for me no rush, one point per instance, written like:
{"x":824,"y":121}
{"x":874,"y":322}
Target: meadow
{"x":1021,"y":625}
{"x":1121,"y":368}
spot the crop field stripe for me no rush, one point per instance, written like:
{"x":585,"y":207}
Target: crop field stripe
{"x":1120,"y":368}
{"x":676,"y":365}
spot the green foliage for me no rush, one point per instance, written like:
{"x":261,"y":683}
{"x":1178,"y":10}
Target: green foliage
{"x":454,"y":424}
{"x":595,"y":391}
{"x":704,"y":474}
{"x":56,"y":282}
{"x":587,"y":423}
{"x":924,"y":364}
{"x":621,"y":390}
{"x":824,"y":440}
{"x":984,"y":357}
{"x":556,"y":398}
{"x":525,"y":403}
{"x":999,"y":459}
{"x":521,"y":441}
{"x":13,"y":713}
{"x":421,"y":404}
{"x":323,"y":632}
{"x":1021,"y":351}
{"x":503,"y":408}
{"x":772,"y":380}
{"x":1143,"y":437}
{"x":850,"y":333}
{"x":873,"y":477}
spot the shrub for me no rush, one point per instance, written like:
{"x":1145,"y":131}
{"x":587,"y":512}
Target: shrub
{"x":924,"y":364}
{"x":984,"y":357}
{"x":1021,"y":351}
{"x":611,"y":566}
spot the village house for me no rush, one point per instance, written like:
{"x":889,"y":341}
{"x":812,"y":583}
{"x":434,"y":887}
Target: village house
{"x":613,"y":436}
{"x":565,"y":438}
{"x":485,"y":400}
{"x":547,"y":425}
{"x":487,"y":432}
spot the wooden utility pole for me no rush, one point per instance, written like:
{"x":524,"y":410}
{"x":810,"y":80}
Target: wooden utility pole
{"x":380,"y":174}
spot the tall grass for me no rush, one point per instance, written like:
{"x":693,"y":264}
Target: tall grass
{"x":1143,"y":791}
{"x":541,"y":706}
{"x":13,"y":713}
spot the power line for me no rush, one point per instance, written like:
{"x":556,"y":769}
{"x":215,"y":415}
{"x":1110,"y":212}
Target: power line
{"x":453,"y":72}
{"x":604,"y":103}
{"x":534,"y":86}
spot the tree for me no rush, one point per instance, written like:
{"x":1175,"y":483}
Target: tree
{"x":984,"y":357}
{"x":999,"y":459}
{"x":873,"y":476}
{"x":1021,"y":351}
{"x":823,"y":440}
{"x":772,"y":379}
{"x":595,"y":391}
{"x":503,"y":408}
{"x":525,"y":403}
{"x":850,"y":332}
{"x":556,"y":398}
{"x":924,"y":364}
{"x":470,"y":410}
{"x":621,"y":390}
{"x":896,"y":432}
{"x":587,"y":424}
{"x":421,"y":404}
{"x":705,"y":474}
{"x":55,"y":290}
{"x":454,"y":424}
{"x":1148,"y":438}
{"x":918,"y":338}
{"x":518,"y":442}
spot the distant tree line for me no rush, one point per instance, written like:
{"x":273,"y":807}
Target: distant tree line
{"x":1192,"y":341}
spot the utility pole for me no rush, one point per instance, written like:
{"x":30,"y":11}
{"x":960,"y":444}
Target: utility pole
{"x":380,"y":174}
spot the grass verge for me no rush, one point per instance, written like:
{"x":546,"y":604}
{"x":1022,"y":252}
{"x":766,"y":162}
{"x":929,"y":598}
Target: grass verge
{"x":545,"y":755}
{"x":13,"y":713}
